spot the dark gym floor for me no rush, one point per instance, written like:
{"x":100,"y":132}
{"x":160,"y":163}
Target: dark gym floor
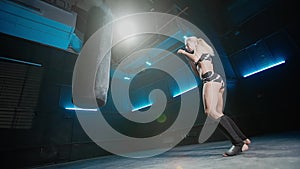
{"x":272,"y":151}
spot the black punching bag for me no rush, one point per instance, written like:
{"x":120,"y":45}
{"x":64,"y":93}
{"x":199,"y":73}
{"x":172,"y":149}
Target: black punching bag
{"x":97,"y":18}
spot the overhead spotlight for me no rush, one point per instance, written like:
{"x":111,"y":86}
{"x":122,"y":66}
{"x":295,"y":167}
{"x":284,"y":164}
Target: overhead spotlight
{"x":126,"y":27}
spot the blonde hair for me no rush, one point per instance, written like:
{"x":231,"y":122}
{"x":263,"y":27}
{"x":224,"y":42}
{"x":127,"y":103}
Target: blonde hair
{"x":201,"y":45}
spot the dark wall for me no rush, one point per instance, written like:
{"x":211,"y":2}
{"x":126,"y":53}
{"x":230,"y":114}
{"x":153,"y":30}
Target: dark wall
{"x":266,"y":100}
{"x":54,"y":134}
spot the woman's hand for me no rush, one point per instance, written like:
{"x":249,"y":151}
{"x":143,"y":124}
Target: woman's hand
{"x":180,"y":51}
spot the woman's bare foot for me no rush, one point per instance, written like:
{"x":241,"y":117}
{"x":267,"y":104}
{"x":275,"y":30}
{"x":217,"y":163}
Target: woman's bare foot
{"x":247,"y":141}
{"x":245,"y":147}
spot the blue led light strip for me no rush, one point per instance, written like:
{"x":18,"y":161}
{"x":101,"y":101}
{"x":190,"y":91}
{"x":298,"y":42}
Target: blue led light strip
{"x":21,"y":61}
{"x":141,"y":107}
{"x":262,"y":69}
{"x":180,"y":93}
{"x":78,"y":108}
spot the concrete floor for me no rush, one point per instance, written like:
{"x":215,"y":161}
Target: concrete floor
{"x":272,"y":151}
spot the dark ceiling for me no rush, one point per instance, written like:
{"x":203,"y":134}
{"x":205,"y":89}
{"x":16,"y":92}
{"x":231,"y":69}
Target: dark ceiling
{"x":225,"y":16}
{"x":236,"y":23}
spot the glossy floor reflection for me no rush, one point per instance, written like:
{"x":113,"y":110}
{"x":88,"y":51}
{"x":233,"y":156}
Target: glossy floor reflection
{"x":272,"y":151}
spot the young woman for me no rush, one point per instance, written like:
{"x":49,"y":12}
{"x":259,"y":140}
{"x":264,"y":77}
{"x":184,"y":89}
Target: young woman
{"x":200,"y":55}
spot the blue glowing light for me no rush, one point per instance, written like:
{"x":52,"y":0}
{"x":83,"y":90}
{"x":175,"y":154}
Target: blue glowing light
{"x":141,"y":107}
{"x":126,"y":78}
{"x":148,"y":63}
{"x":264,"y":68}
{"x":21,"y":61}
{"x":184,"y":91}
{"x":78,"y":108}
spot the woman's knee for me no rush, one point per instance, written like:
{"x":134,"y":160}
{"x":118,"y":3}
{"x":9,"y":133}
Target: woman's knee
{"x":213,"y":113}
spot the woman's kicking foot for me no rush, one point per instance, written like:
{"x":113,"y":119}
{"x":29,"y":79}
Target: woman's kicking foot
{"x":247,"y":141}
